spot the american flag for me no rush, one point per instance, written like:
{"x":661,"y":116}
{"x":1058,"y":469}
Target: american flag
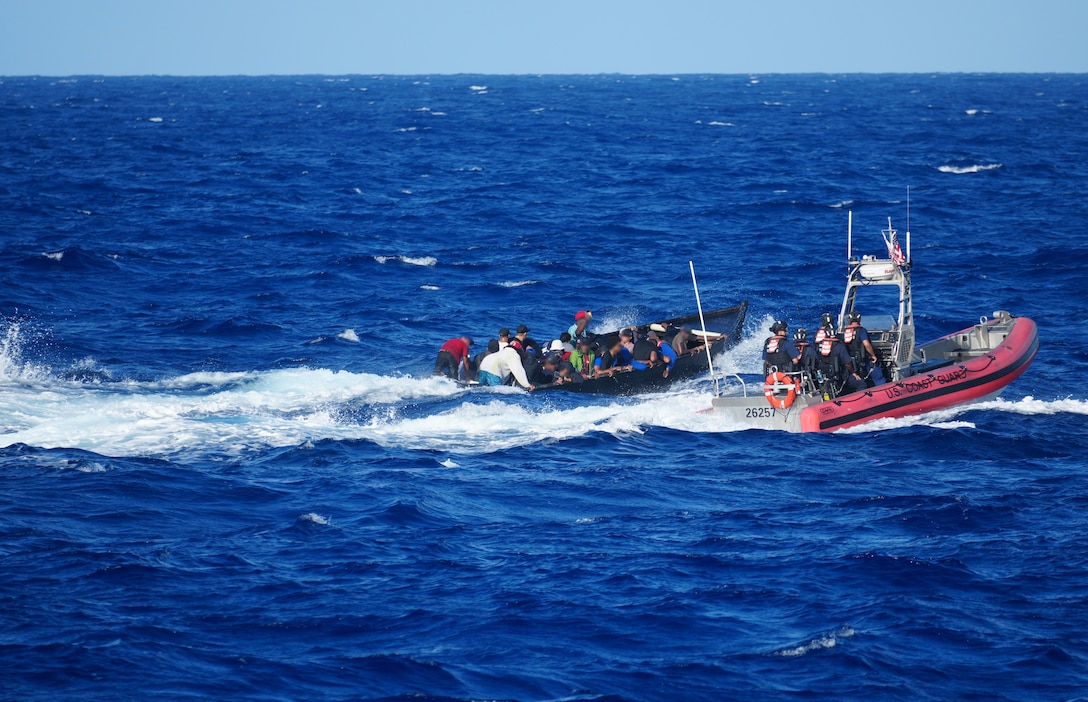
{"x":895,"y":252}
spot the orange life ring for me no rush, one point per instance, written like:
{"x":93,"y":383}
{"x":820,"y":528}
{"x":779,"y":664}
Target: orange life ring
{"x":775,"y":398}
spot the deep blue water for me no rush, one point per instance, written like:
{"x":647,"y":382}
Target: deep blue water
{"x":228,"y":475}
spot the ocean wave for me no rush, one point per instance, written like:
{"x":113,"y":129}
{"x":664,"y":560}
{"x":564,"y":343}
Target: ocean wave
{"x":409,"y":260}
{"x":817,"y":643}
{"x":975,"y":168}
{"x":516,"y":283}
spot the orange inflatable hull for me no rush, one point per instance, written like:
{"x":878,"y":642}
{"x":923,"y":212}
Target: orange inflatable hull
{"x":943,"y":387}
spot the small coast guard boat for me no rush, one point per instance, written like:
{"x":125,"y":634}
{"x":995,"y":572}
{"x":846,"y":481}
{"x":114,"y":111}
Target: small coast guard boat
{"x":973,"y":364}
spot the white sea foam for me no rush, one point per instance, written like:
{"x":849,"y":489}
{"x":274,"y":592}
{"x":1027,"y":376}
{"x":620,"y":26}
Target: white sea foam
{"x":477,"y":87}
{"x":314,"y":518}
{"x":154,"y":119}
{"x":517,"y":283}
{"x":54,"y":255}
{"x":429,"y":287}
{"x":975,"y":168}
{"x":819,"y":643}
{"x":410,"y":260}
{"x":448,"y":463}
{"x":721,"y":124}
{"x":971,"y":112}
{"x":229,"y":414}
{"x":348,"y":335}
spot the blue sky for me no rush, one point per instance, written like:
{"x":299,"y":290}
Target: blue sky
{"x":221,"y":37}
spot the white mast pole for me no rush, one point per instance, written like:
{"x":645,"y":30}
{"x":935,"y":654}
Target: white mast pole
{"x":908,"y":224}
{"x":849,"y":235}
{"x":706,"y":339}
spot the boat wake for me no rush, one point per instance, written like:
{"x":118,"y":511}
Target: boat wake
{"x":231,"y":414}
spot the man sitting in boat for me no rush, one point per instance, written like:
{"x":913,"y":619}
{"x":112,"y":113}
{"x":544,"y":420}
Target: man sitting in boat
{"x":665,"y":352}
{"x":454,"y":353}
{"x":856,"y":338}
{"x":807,"y":364}
{"x":826,"y":321}
{"x":499,"y":367}
{"x":504,"y":337}
{"x":644,"y":353}
{"x":778,"y":352}
{"x":683,"y":342}
{"x":611,"y":360}
{"x":566,"y":373}
{"x":544,"y":372}
{"x":478,"y":359}
{"x":834,"y":365}
{"x":580,"y":328}
{"x":583,"y":358}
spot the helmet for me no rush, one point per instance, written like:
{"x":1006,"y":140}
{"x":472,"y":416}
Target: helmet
{"x":778,"y":326}
{"x":827,"y":320}
{"x":800,"y":334}
{"x":854,"y":316}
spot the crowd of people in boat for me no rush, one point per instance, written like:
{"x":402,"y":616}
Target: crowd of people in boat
{"x":574,"y":356}
{"x":832,"y":363}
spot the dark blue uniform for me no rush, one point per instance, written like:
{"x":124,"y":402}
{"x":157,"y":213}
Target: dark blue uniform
{"x":779,"y":352}
{"x":834,"y":360}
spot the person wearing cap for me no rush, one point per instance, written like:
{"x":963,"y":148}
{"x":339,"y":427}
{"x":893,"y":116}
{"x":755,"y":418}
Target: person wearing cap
{"x":580,"y":328}
{"x":501,"y":366}
{"x":778,"y":351}
{"x":454,"y":353}
{"x":683,"y":342}
{"x":561,"y":347}
{"x":504,"y":337}
{"x":583,"y":358}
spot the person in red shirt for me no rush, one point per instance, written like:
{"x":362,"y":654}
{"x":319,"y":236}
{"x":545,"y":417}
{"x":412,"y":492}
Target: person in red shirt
{"x":454,"y":353}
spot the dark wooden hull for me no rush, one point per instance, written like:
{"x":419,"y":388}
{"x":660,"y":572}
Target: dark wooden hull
{"x":728,"y":321}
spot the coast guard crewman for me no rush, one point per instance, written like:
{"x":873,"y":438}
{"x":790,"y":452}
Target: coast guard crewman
{"x":861,"y":350}
{"x":778,"y":352}
{"x":834,"y":362}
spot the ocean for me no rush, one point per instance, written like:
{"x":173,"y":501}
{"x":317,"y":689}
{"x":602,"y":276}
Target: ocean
{"x":227,"y":472}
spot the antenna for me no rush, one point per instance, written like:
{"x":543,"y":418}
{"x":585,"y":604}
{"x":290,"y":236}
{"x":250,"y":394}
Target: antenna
{"x":908,"y":225}
{"x":702,"y":322}
{"x":849,"y":236}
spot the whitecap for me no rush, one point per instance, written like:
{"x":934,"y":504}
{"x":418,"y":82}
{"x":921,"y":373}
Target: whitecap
{"x":517,"y":283}
{"x":477,"y":87}
{"x":54,"y":256}
{"x":348,"y":335}
{"x":418,"y":260}
{"x":314,"y":518}
{"x":154,"y":119}
{"x":819,"y":643}
{"x":977,"y":168}
{"x":971,"y":112}
{"x":721,"y":124}
{"x":429,"y":287}
{"x":448,"y":463}
{"x":410,"y":260}
{"x":407,"y":129}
